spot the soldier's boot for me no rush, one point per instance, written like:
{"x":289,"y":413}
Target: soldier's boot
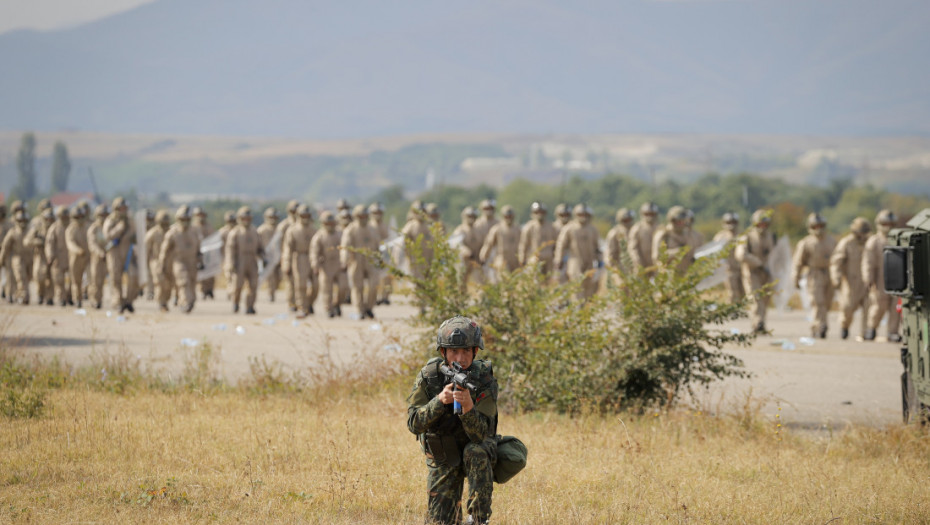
{"x":759,"y":328}
{"x":236,"y":308}
{"x":188,"y":309}
{"x":310,"y":310}
{"x":844,"y":333}
{"x":869,"y":334}
{"x":130,"y":308}
{"x":338,"y":311}
{"x":332,"y":313}
{"x":250,"y":311}
{"x":823,"y":332}
{"x":49,"y":302}
{"x":163,"y":307}
{"x":370,"y":314}
{"x":98,"y":305}
{"x":894,"y":338}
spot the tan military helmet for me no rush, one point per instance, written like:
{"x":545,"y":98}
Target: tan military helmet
{"x":625,"y":215}
{"x":78,"y":212}
{"x":886,"y":217}
{"x":183,"y":213}
{"x":44,"y":204}
{"x":101,"y":210}
{"x":292,"y":206}
{"x":376,"y":208}
{"x":761,"y":216}
{"x":561,"y":210}
{"x":860,"y":225}
{"x":538,"y":208}
{"x":581,"y":209}
{"x":304,"y":211}
{"x":676,"y":213}
{"x":244,"y":212}
{"x":469,"y":211}
{"x":271,"y":213}
{"x":815,"y":220}
{"x":21,"y":216}
{"x":649,"y":208}
{"x":118,"y":203}
{"x":488,"y":204}
{"x":62,"y":212}
{"x":343,"y":204}
{"x":162,"y":217}
{"x":229,"y":217}
{"x":360,"y":211}
{"x":432,"y":209}
{"x":17,"y":206}
{"x":327,"y":217}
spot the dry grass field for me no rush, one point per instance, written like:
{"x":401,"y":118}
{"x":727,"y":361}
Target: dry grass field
{"x":266,"y":450}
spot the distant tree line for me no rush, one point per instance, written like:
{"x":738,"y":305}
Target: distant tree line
{"x":26,"y":187}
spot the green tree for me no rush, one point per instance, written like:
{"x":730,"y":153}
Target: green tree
{"x":61,"y":167}
{"x":26,"y":167}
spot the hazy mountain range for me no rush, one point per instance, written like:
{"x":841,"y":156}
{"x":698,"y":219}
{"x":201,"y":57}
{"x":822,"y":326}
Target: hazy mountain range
{"x":315,"y":69}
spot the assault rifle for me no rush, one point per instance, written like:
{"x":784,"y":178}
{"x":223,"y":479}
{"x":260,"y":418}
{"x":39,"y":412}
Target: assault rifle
{"x":460,"y":379}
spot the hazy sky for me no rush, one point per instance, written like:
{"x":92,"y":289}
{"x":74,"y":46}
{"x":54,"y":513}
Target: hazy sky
{"x":54,"y":14}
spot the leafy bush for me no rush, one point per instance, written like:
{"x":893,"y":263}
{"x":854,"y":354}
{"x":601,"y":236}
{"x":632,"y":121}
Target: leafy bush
{"x":643,"y":343}
{"x":21,"y":396}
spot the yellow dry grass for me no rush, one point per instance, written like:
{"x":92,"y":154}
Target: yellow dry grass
{"x":338,"y":456}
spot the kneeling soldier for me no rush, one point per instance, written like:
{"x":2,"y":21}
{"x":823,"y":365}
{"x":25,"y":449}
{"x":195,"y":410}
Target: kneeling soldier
{"x":456,"y":426}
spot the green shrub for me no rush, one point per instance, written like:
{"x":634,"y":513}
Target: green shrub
{"x":641,"y":344}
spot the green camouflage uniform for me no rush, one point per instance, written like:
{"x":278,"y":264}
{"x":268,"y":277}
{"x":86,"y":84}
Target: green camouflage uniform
{"x":469,"y":447}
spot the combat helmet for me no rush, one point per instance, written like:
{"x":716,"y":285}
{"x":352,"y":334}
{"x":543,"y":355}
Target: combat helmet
{"x":327,"y":217}
{"x":292,"y":206}
{"x":376,"y":208}
{"x":101,"y":210}
{"x":886,"y":217}
{"x":161,"y":217}
{"x":342,"y":204}
{"x":730,"y":217}
{"x":21,"y":216}
{"x":459,"y":332}
{"x":625,"y":214}
{"x":360,"y":211}
{"x":507,"y":211}
{"x":244,"y":212}
{"x":562,"y":210}
{"x":676,"y":213}
{"x":229,"y":217}
{"x":62,"y":212}
{"x":538,"y":207}
{"x":183,"y":213}
{"x":78,"y":212}
{"x":761,"y":216}
{"x":488,"y":204}
{"x":581,"y":209}
{"x":649,"y":208}
{"x":271,"y":213}
{"x":815,"y":220}
{"x":860,"y":226}
{"x":469,"y":211}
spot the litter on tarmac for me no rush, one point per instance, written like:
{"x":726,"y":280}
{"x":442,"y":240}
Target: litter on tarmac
{"x":219,"y":327}
{"x":187,"y":341}
{"x":240,"y":330}
{"x":809,"y":341}
{"x":80,"y":311}
{"x":393,"y":348}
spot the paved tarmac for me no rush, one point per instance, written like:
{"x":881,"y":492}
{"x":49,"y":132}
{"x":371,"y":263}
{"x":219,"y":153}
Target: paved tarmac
{"x":823,"y":385}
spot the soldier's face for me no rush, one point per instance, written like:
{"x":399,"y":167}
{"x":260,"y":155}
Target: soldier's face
{"x":508,"y":219}
{"x":649,"y":218}
{"x":488,"y":212}
{"x":184,"y":224}
{"x":462,"y":356}
{"x":470,"y":219}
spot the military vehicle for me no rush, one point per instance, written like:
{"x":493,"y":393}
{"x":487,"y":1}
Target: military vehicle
{"x":907,"y":275}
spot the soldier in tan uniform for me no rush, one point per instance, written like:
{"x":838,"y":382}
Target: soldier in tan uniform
{"x":344,"y":216}
{"x":35,"y":238}
{"x":504,"y":239}
{"x":417,"y":231}
{"x":297,"y":246}
{"x":734,"y":272}
{"x":813,"y":254}
{"x":618,"y":240}
{"x":376,"y":213}
{"x":579,"y":243}
{"x":78,"y":253}
{"x":487,"y":220}
{"x":563,"y":216}
{"x":846,"y":275}
{"x":97,"y":244}
{"x":873,"y":274}
{"x":243,"y":251}
{"x":537,"y":240}
{"x":5,"y":227}
{"x":695,"y":238}
{"x":120,"y":236}
{"x":752,"y":253}
{"x":674,"y":239}
{"x":56,"y":253}
{"x":287,"y":274}
{"x":362,"y":273}
{"x":470,"y":249}
{"x":325,"y":263}
{"x":18,"y":255}
{"x":179,"y":256}
{"x":432,"y":211}
{"x":200,"y":225}
{"x":639,"y":243}
{"x":153,"y":239}
{"x":265,"y":234}
{"x":229,"y":222}
{"x":159,"y":273}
